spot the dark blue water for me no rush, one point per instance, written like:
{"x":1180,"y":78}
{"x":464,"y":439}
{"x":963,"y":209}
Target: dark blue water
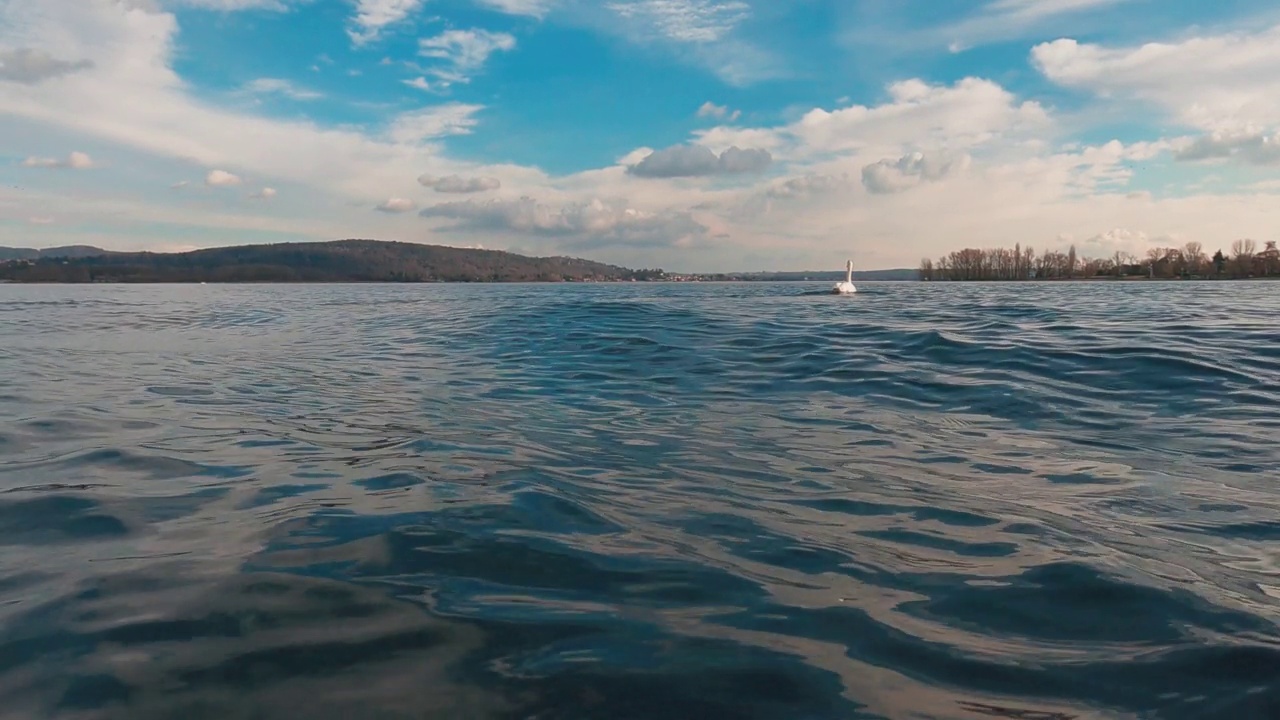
{"x":1037,"y":501}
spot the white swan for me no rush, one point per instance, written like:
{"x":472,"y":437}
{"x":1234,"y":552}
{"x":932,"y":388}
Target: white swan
{"x":846,"y":287}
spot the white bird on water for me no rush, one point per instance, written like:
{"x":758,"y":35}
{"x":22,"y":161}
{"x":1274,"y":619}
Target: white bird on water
{"x":846,"y":287}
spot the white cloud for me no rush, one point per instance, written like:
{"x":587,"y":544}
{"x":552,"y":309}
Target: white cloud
{"x":374,"y":16}
{"x":265,"y":193}
{"x":701,"y":33}
{"x":1214,"y":83}
{"x":434,"y":122}
{"x":40,"y":220}
{"x":423,"y":84}
{"x":457,"y":184}
{"x":74,"y":161}
{"x":1226,"y":88}
{"x":1035,"y":9}
{"x":634,"y":156}
{"x":918,"y":116}
{"x":689,"y":21}
{"x":79,"y":161}
{"x":277,"y":86}
{"x":1007,"y":19}
{"x":721,"y":138}
{"x":531,"y":8}
{"x":221,"y":178}
{"x":464,"y":51}
{"x":719,"y":112}
{"x":180,"y":185}
{"x":396,"y":205}
{"x":1104,"y":166}
{"x":969,"y":113}
{"x":235,"y":5}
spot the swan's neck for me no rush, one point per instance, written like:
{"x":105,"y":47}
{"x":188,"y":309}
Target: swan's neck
{"x":848,"y":273}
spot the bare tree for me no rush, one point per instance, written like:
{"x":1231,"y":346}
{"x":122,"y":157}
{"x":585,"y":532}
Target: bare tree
{"x":1242,"y":252}
{"x":926,"y":269}
{"x":1193,"y":256}
{"x":1243,"y":248}
{"x":1155,"y":262}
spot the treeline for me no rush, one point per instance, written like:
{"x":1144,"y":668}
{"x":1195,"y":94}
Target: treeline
{"x":337,"y":261}
{"x":1188,"y":261}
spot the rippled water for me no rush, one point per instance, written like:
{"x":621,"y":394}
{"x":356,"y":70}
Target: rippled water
{"x":1038,"y":501}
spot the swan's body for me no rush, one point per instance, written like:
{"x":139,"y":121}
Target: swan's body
{"x":846,"y":287}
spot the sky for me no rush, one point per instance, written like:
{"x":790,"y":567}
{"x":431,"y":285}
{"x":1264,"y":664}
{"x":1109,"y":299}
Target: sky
{"x":691,"y":135}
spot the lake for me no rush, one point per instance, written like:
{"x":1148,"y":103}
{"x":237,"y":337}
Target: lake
{"x":929,"y":500}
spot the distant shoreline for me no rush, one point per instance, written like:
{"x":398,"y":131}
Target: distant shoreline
{"x":363,"y":261}
{"x":354,"y":281}
{"x":656,"y":281}
{"x":392,"y":262}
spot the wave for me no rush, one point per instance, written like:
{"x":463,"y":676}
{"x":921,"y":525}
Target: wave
{"x":675,"y":500}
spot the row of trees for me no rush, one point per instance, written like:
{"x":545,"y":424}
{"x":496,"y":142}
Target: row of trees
{"x":1188,"y":261}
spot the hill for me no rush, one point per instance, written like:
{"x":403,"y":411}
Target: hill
{"x":335,"y":261}
{"x":69,"y":251}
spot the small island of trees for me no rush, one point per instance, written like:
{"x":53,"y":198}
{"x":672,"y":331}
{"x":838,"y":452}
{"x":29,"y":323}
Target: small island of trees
{"x":1186,"y":262}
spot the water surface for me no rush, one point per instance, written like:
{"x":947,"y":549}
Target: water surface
{"x":1037,"y":501}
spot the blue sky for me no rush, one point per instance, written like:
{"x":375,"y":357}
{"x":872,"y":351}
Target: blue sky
{"x":688,"y":134}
